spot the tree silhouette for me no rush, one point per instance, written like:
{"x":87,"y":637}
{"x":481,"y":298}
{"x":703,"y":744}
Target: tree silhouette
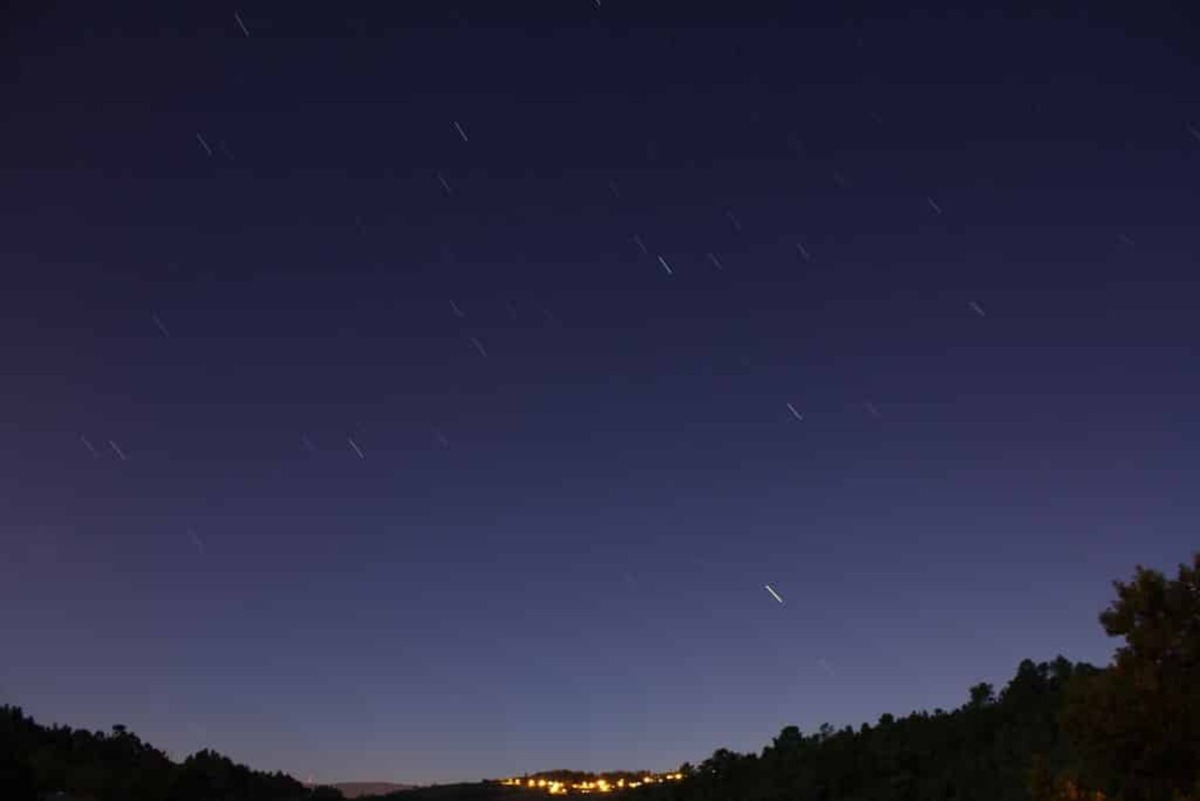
{"x":986,"y":750}
{"x":38,"y":761}
{"x":1057,"y":731}
{"x":982,"y":694}
{"x":1137,"y":723}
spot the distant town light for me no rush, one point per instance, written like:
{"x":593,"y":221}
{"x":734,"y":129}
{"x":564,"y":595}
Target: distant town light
{"x":597,"y":784}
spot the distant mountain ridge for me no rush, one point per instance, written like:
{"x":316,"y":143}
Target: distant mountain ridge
{"x":357,"y":789}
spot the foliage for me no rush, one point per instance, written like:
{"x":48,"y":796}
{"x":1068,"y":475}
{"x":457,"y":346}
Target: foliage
{"x":983,"y":751}
{"x":1137,"y":723}
{"x":1058,"y":731}
{"x":39,"y":761}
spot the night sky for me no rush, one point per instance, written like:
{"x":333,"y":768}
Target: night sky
{"x":429,"y":391}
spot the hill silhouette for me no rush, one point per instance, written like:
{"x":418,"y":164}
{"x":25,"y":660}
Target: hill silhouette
{"x":1058,"y":731}
{"x":359,"y":789}
{"x":465,"y":791}
{"x":45,"y":762}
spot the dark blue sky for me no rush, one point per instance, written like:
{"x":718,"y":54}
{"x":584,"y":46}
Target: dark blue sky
{"x":962,"y":247}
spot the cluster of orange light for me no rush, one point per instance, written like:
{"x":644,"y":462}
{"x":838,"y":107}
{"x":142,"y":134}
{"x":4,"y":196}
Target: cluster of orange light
{"x":597,"y":786}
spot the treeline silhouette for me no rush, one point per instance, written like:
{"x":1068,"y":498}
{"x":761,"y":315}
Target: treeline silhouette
{"x":38,"y":762}
{"x":981,"y":751}
{"x":1058,"y":731}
